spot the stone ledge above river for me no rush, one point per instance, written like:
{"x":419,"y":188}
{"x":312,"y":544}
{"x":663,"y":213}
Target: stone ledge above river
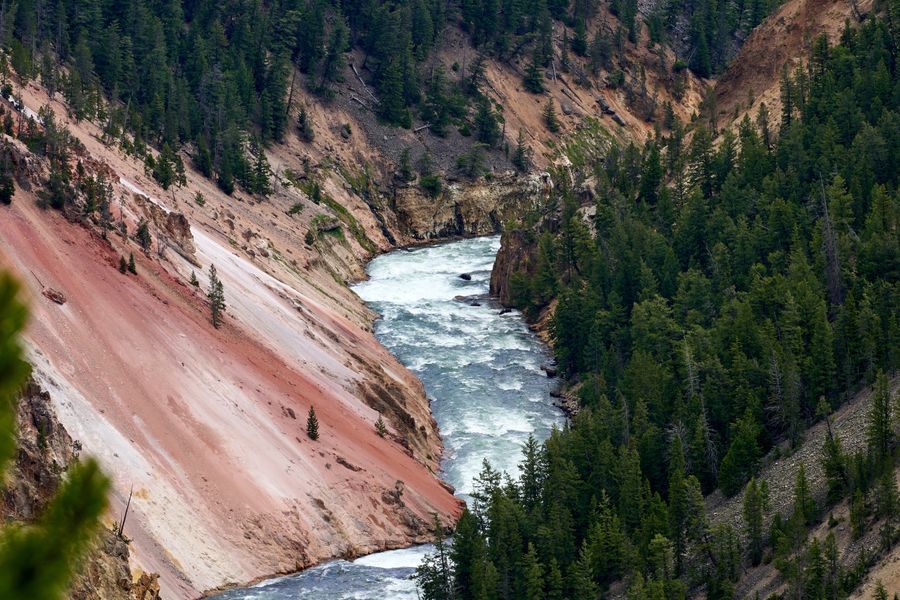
{"x":467,"y":209}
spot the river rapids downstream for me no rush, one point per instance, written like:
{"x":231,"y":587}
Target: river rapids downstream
{"x":482,"y":372}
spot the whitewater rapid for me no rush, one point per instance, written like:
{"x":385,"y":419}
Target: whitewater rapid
{"x":481,"y":371}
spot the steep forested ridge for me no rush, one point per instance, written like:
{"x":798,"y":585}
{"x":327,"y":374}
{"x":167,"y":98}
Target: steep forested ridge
{"x":713,"y":299}
{"x":220,"y":76}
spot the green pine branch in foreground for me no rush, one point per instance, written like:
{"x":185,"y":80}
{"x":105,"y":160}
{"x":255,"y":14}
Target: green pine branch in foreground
{"x":38,"y":560}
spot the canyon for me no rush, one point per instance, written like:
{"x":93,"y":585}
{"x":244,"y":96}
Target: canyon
{"x":206,"y":425}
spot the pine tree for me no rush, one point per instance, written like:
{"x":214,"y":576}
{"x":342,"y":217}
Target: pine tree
{"x":486,"y":124}
{"x":533,"y":586}
{"x":551,"y":121}
{"x":380,"y":427}
{"x":194,"y":281}
{"x":7,"y":185}
{"x":304,"y":126}
{"x":581,"y":580}
{"x":123,"y":265}
{"x":534,"y":78}
{"x":554,"y":582}
{"x":755,"y":505}
{"x":216,"y":296}
{"x":143,"y":235}
{"x":833,"y":459}
{"x":804,"y":504}
{"x":521,"y":158}
{"x":261,"y":171}
{"x":333,"y":62}
{"x":467,"y":555}
{"x":599,"y":52}
{"x":579,"y":41}
{"x":741,"y":460}
{"x":312,"y":424}
{"x":533,"y":474}
{"x":131,"y":266}
{"x":886,"y":504}
{"x":880,"y":430}
{"x":434,"y":576}
{"x":392,"y":106}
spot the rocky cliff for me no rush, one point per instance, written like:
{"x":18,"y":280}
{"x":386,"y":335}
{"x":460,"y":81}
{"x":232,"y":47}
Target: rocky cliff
{"x":206,"y":424}
{"x":467,"y":209}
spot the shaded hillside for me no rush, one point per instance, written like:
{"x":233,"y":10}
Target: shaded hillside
{"x":782,"y":41}
{"x":850,"y":424}
{"x":712,"y":297}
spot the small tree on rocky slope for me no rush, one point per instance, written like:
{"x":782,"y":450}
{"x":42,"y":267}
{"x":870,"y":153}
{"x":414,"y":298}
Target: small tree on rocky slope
{"x":312,"y":424}
{"x":216,"y":295}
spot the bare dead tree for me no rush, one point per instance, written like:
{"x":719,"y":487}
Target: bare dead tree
{"x":125,"y":514}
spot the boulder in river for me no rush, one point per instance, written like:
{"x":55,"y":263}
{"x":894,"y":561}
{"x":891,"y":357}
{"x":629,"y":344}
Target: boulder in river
{"x":504,"y":311}
{"x":465,"y":276}
{"x":550,"y":370}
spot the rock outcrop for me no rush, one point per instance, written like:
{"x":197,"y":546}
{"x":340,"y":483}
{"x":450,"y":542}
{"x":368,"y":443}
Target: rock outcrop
{"x":172,"y":228}
{"x":469,"y":209}
{"x":516,"y":255}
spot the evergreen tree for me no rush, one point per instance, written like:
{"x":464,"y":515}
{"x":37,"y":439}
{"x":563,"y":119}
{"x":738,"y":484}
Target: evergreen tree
{"x":434,"y":576}
{"x":804,"y":504}
{"x":534,"y":77}
{"x":392,"y":107}
{"x":7,"y":185}
{"x":312,"y":424}
{"x":333,"y":62}
{"x":521,"y":158}
{"x":194,"y":281}
{"x":532,"y":585}
{"x":755,"y":505}
{"x":740,"y":461}
{"x":304,"y":126}
{"x":143,"y":235}
{"x":533,"y":474}
{"x":132,"y":268}
{"x":486,"y":124}
{"x":123,"y":264}
{"x":380,"y":427}
{"x":216,"y":296}
{"x":551,"y":121}
{"x":880,"y":430}
{"x":579,"y":40}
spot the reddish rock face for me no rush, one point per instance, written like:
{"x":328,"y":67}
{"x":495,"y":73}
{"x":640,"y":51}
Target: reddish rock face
{"x":227,"y":487}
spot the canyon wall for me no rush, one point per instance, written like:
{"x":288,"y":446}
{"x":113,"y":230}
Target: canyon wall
{"x":206,"y":424}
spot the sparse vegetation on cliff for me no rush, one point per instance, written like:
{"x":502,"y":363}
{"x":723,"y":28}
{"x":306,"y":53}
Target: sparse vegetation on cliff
{"x":216,"y":296}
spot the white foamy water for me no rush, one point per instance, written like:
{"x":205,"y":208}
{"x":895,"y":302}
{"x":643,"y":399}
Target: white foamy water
{"x":480,"y":369}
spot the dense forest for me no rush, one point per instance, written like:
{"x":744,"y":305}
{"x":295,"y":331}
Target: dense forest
{"x":723,"y":297}
{"x":220,"y":78}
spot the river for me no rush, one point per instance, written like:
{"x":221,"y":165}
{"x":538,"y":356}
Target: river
{"x":481,"y":371}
